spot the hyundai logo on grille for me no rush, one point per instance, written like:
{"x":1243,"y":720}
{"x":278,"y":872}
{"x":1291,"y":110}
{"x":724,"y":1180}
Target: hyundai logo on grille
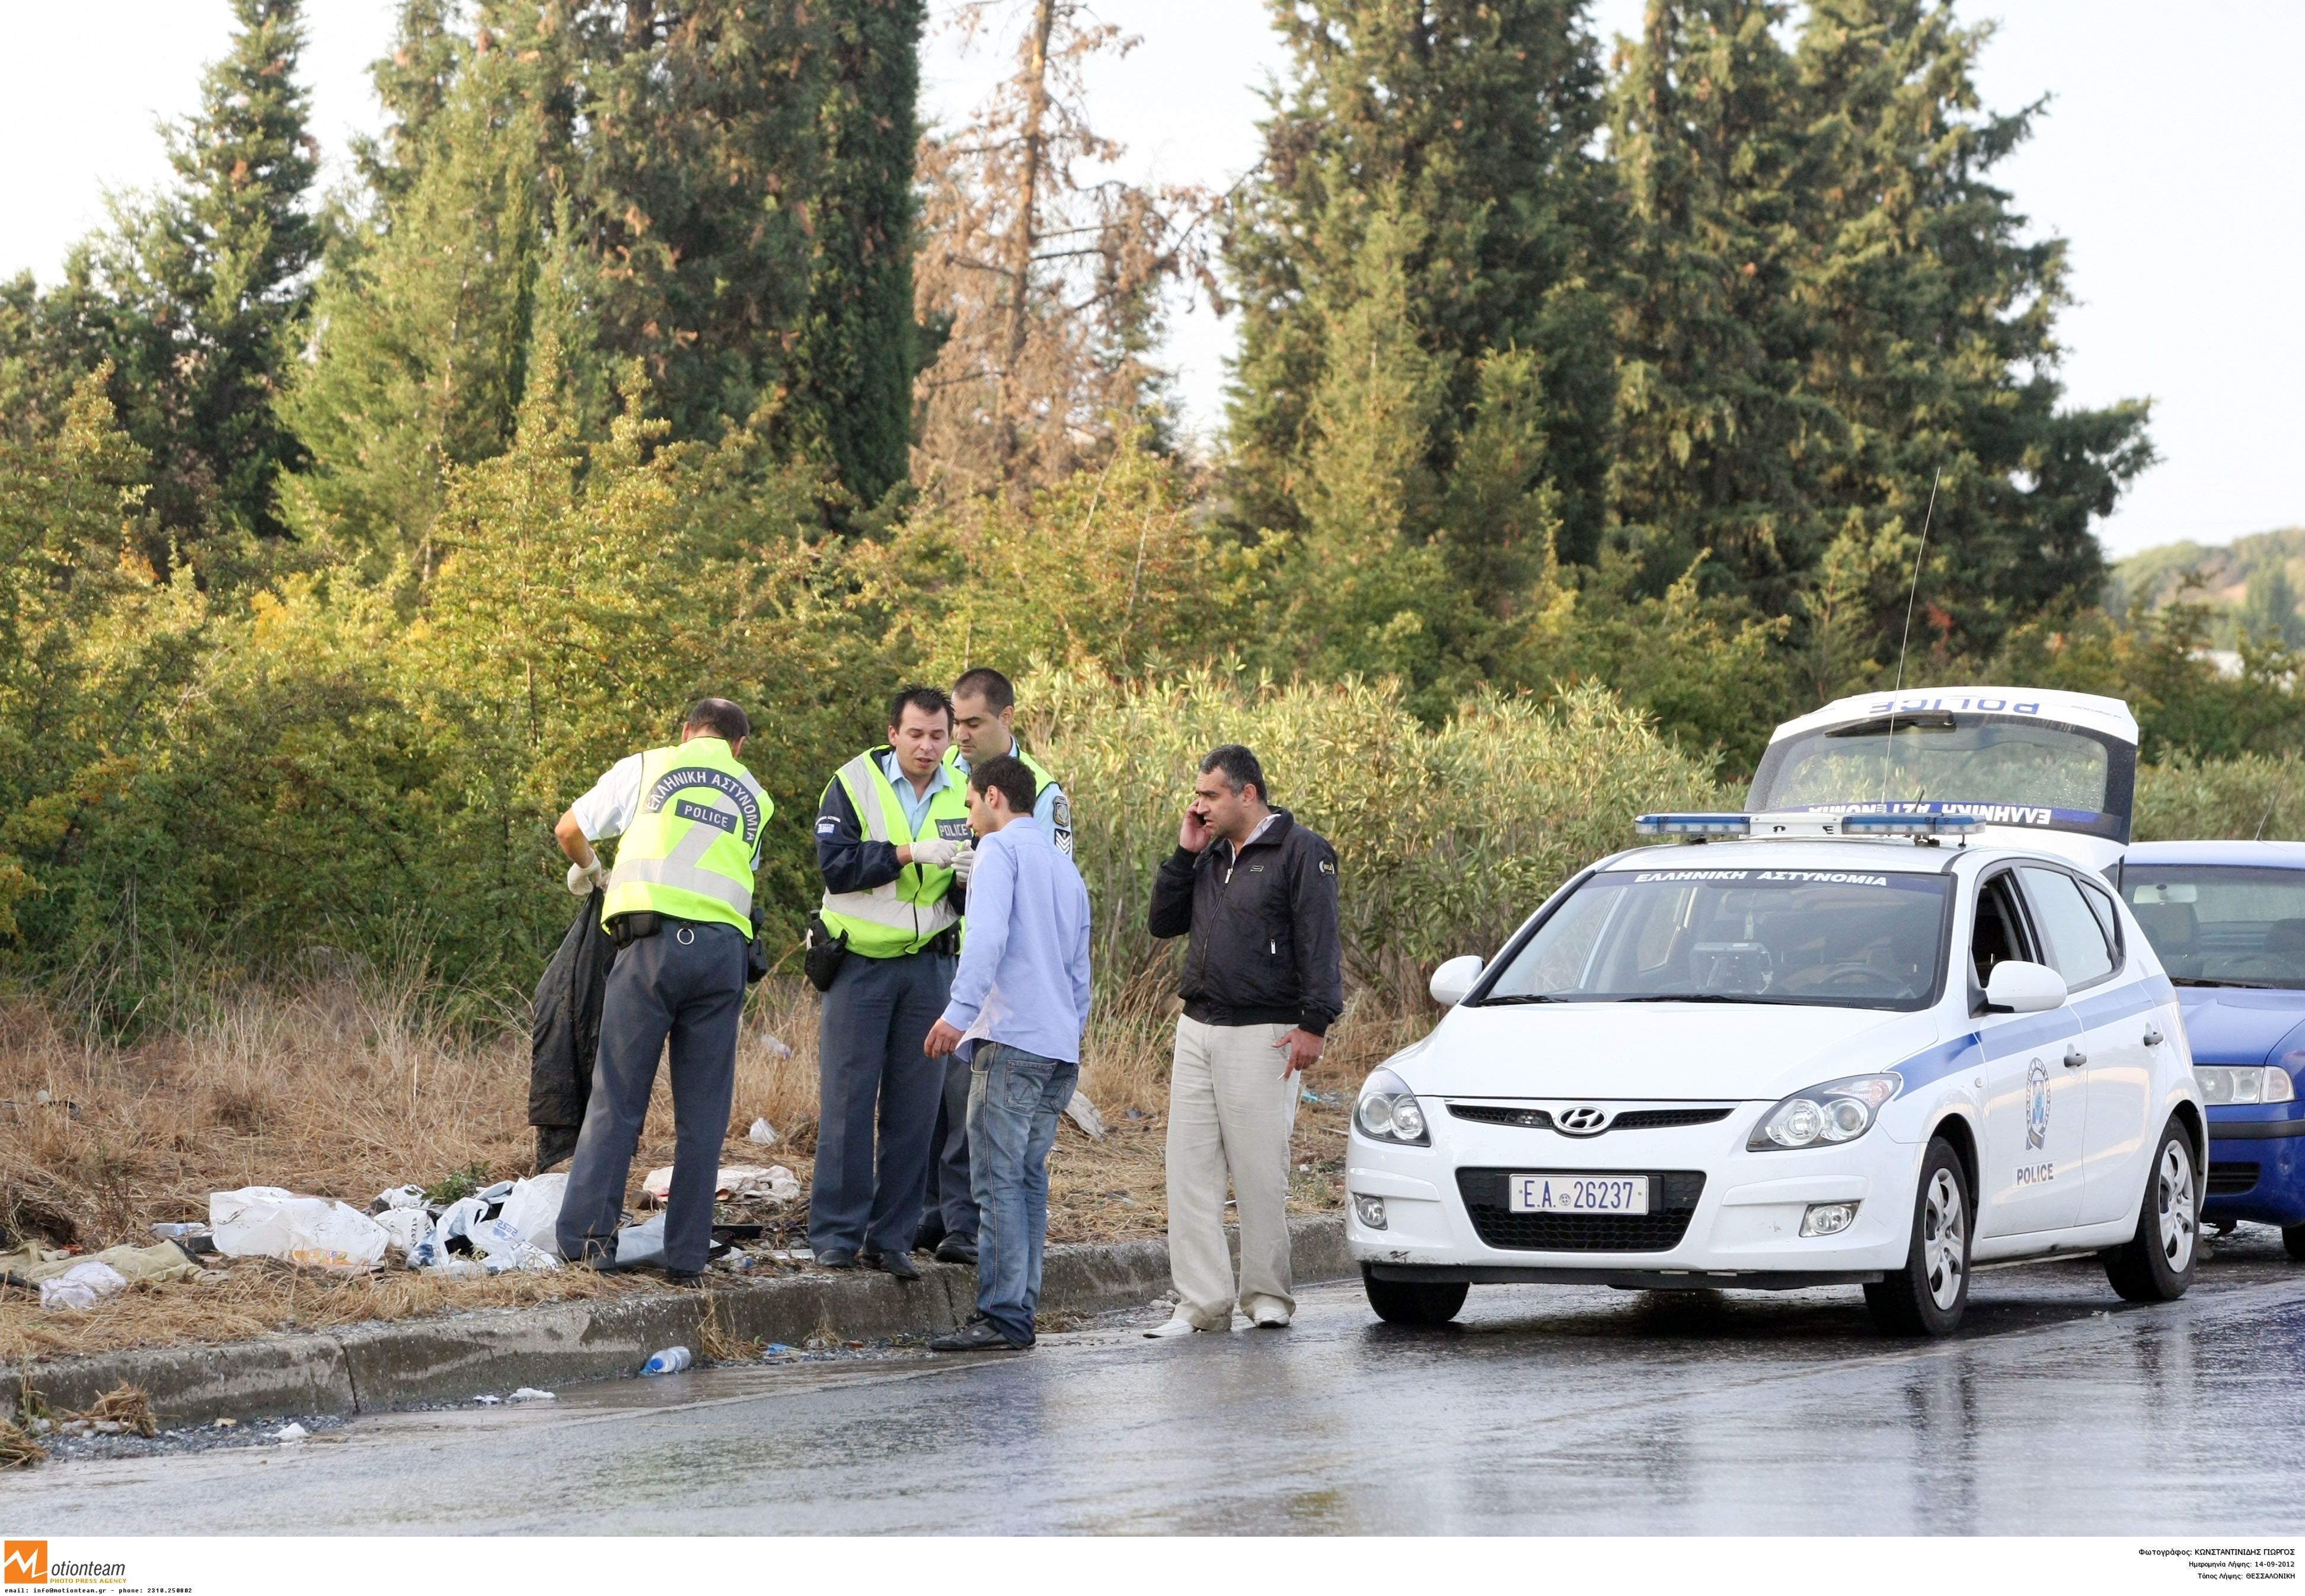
{"x":1584,"y":1120}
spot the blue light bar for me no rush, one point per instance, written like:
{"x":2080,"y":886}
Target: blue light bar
{"x":1882,"y":823}
{"x":1694,"y":825}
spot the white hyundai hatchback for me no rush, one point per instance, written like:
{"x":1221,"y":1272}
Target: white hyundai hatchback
{"x":1818,"y":1049}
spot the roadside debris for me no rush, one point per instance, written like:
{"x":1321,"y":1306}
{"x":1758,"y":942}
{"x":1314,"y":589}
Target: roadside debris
{"x":489,"y":1401}
{"x":399,"y":1197}
{"x":530,"y":1394}
{"x":641,"y":1244}
{"x":290,"y":1433}
{"x":736,"y":1182}
{"x":672,"y":1360}
{"x":17,"y":1449}
{"x":315,"y":1232}
{"x":123,"y":1410}
{"x":763,"y":1132}
{"x":83,"y":1285}
{"x":1083,"y":1113}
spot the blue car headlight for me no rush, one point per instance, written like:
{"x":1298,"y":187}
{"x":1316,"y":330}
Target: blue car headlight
{"x":2222,"y":1083}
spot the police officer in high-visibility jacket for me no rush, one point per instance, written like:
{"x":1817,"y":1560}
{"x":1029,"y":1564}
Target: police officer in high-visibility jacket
{"x":679,"y":907}
{"x":893,"y":821}
{"x":983,"y":727}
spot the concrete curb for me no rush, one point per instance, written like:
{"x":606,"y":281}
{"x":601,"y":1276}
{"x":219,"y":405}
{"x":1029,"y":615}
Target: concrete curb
{"x":367,"y":1367}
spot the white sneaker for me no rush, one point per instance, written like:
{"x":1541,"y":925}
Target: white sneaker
{"x":1178,"y":1326}
{"x":1270,"y":1316}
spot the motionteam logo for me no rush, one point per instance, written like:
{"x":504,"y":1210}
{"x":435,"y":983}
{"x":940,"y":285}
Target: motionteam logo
{"x":25,"y":1563}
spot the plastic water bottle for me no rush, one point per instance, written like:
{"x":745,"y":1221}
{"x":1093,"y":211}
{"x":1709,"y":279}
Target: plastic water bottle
{"x":672,"y":1360}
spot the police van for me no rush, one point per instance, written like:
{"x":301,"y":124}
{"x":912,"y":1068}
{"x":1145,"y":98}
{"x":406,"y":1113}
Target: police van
{"x":2055,"y":771}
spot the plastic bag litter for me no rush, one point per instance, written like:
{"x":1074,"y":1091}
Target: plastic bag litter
{"x":399,"y":1197}
{"x":641,"y":1244}
{"x":456,"y":1223}
{"x":268,"y":1222}
{"x":775,"y":1183}
{"x":778,"y":1047}
{"x":82,"y":1286}
{"x":530,"y":1394}
{"x":532,"y":1207}
{"x":762,"y":1133}
{"x":1083,"y":1113}
{"x":292,"y":1432}
{"x":410,"y":1232}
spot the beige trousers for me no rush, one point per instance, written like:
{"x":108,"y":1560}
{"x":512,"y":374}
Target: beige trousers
{"x":1230,"y":1109}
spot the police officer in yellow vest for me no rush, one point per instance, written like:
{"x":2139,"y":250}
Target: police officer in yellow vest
{"x":984,"y":727}
{"x":679,"y":907}
{"x":893,"y":821}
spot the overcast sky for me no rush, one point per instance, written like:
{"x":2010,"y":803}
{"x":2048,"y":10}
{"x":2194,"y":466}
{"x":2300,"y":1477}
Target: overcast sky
{"x":2169,"y":160}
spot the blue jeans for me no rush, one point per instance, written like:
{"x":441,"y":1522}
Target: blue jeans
{"x":1014,"y":1099}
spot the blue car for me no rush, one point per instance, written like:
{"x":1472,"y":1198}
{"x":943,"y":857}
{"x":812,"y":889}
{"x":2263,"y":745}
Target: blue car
{"x":2228,"y":919}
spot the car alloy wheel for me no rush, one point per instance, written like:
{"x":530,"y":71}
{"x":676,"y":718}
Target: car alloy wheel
{"x":2172,"y":1199}
{"x":1944,"y":1236}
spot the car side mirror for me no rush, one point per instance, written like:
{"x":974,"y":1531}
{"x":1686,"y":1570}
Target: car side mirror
{"x":1455,"y":978}
{"x":2019,"y":987}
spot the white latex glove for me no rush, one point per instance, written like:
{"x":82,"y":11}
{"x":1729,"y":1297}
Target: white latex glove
{"x":584,"y":877}
{"x":935,"y":852}
{"x":964,"y":864}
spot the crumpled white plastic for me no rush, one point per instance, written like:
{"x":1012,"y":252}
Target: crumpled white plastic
{"x":82,"y":1286}
{"x":269,"y":1222}
{"x":775,"y":1182}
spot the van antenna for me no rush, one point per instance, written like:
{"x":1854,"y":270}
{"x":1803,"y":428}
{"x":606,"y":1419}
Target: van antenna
{"x":1888,"y":737}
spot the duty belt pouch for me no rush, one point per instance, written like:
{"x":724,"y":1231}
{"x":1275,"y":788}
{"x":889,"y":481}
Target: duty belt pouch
{"x":825,"y":953}
{"x":625,"y":929}
{"x":756,"y":952}
{"x":946,"y":941}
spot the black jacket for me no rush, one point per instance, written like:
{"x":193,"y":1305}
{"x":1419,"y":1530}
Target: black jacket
{"x":565,"y":1038}
{"x":1264,"y":948}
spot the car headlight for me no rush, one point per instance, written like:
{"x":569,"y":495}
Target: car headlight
{"x":1825,"y":1116}
{"x":1388,"y":1111}
{"x":2224,"y":1083}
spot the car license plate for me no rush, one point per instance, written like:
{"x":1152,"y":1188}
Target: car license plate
{"x":1577,"y":1194}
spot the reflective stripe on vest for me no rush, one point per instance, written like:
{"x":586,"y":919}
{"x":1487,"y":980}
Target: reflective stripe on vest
{"x":689,"y":851}
{"x":900,"y":916}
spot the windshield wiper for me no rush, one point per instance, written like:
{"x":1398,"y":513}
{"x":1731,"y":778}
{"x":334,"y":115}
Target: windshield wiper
{"x":2213,"y":981}
{"x":1693,"y":998}
{"x":1524,"y":998}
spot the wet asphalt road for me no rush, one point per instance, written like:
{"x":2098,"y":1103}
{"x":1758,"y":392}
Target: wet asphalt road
{"x":1559,"y":1409}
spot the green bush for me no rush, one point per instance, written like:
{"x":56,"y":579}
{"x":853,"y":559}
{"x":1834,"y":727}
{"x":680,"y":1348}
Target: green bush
{"x":1446,"y":837}
{"x":2252,"y":796}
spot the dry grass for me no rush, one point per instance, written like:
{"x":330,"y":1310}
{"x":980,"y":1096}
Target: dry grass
{"x":17,"y":1449}
{"x":128,"y":1405}
{"x":344,"y":1087}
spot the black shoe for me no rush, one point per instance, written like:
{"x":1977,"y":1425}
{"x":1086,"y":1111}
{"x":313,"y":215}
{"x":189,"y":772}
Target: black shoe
{"x":930,"y":1238}
{"x":836,"y":1258}
{"x":956,"y":1248}
{"x":978,"y":1334}
{"x":893,"y":1263}
{"x":684,"y":1278}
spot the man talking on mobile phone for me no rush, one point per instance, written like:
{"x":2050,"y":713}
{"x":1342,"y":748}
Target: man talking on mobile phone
{"x":1257,"y":892}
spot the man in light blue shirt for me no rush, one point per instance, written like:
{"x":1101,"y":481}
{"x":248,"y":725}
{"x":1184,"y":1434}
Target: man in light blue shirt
{"x":1019,"y":1005}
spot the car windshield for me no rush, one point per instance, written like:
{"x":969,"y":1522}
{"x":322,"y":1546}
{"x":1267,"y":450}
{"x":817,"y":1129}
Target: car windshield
{"x":2242,"y":925}
{"x":1938,"y":757}
{"x":1831,"y":939}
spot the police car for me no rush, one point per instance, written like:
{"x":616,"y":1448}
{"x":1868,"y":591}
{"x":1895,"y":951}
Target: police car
{"x":1871,"y":1049}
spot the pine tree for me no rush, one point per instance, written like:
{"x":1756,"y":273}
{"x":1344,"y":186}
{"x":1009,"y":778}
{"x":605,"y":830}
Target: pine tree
{"x":424,"y":318}
{"x":1462,"y":130}
{"x":196,"y":295}
{"x":1046,"y":285}
{"x":1935,"y":329}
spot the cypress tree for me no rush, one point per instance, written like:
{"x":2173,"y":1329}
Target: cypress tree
{"x":1453,"y":135}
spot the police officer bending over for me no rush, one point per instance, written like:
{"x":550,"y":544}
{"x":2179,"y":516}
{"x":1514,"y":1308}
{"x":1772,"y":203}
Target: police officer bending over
{"x":679,"y":908}
{"x":893,"y":821}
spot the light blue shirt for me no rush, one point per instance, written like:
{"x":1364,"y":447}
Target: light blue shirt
{"x":915,"y":804}
{"x":1024,"y":970}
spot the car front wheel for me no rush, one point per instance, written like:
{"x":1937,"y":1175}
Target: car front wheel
{"x":1928,"y":1296}
{"x":1413,"y":1302}
{"x":2156,"y":1265}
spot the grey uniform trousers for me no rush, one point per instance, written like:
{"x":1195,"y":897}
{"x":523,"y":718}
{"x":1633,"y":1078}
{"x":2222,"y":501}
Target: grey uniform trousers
{"x":685,"y":983}
{"x":872,"y":1074}
{"x":950,"y":1206}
